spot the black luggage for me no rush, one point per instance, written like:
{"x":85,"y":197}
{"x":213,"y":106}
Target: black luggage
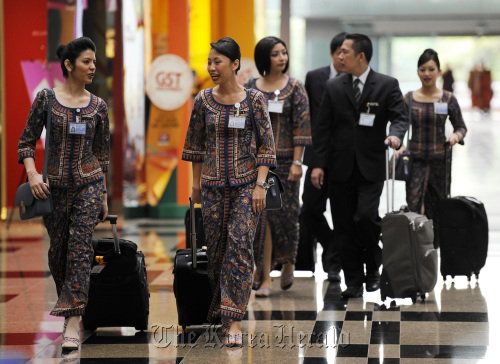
{"x":119,"y":292}
{"x":191,"y":285}
{"x":463,"y":234}
{"x":408,"y":255}
{"x":306,"y":251}
{"x":200,"y":233}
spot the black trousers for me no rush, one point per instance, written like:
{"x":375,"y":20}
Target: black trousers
{"x":313,"y":214}
{"x":354,"y":205}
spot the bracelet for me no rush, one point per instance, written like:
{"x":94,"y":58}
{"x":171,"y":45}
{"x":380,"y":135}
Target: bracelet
{"x":297,"y":163}
{"x":29,"y":177}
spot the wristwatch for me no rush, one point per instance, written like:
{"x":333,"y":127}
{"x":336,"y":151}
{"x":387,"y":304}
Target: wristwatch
{"x":264,"y":185}
{"x":297,"y":163}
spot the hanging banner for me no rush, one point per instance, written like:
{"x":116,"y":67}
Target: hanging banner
{"x":170,"y":81}
{"x":169,"y":85}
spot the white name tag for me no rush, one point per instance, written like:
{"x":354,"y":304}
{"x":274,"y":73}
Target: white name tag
{"x":236,"y":122}
{"x":275,"y":106}
{"x":77,"y":129}
{"x":441,"y":108}
{"x":366,"y":119}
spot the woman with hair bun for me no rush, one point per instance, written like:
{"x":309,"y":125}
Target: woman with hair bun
{"x":77,"y":162}
{"x":430,"y":108}
{"x":229,"y":181}
{"x":278,"y":232}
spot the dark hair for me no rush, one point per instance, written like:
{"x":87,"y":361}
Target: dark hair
{"x":337,"y":41}
{"x":429,"y":55}
{"x":229,"y":48}
{"x":262,"y":54}
{"x":72,"y":51}
{"x":361,"y":44}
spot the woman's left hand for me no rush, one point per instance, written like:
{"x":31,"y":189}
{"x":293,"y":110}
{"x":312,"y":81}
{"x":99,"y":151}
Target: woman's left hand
{"x":258,"y":199}
{"x":104,"y":209}
{"x":295,"y":173}
{"x":453,"y":139}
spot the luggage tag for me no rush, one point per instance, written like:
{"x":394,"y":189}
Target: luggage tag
{"x":275,"y":105}
{"x":237,"y":121}
{"x":77,"y":128}
{"x":365,"y":118}
{"x":441,"y":108}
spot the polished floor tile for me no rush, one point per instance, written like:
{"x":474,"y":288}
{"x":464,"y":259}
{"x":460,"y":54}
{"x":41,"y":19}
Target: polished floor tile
{"x":457,"y":323}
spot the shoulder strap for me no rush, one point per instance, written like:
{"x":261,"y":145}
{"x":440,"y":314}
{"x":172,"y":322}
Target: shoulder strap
{"x":250,"y":111}
{"x":410,"y":105}
{"x":51,"y":95}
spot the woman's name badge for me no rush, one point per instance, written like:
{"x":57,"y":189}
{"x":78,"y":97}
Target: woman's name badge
{"x":366,"y":119}
{"x":77,"y":128}
{"x":275,"y":105}
{"x":441,"y":108}
{"x":237,"y":121}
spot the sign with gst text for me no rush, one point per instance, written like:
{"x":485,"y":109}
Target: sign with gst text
{"x":170,"y":82}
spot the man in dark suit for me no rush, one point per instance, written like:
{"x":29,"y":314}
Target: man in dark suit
{"x":349,"y":140}
{"x":313,"y":199}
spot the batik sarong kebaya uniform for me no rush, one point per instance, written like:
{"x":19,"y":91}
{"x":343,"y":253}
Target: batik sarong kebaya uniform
{"x":427,"y":183}
{"x":228,"y":178}
{"x":76,"y":167}
{"x":291,"y":128}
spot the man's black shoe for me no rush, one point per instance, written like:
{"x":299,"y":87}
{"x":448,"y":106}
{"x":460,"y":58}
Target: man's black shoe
{"x":372,"y":282}
{"x":353,"y":292}
{"x":334,"y":277}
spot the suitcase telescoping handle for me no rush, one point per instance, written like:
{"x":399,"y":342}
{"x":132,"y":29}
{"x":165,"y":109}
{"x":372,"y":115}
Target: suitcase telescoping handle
{"x":393,"y":167}
{"x":112,"y":219}
{"x":193,"y":233}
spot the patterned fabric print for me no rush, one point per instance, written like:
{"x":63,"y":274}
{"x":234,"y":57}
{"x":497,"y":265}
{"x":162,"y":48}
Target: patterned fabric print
{"x":229,"y":225}
{"x":292,"y":127}
{"x":428,"y":128}
{"x":225,"y":152}
{"x":426,"y":187}
{"x":284,"y":223}
{"x":82,"y":158}
{"x":70,"y":228}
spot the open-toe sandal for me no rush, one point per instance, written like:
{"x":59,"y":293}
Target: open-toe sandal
{"x":234,"y":341}
{"x":70,"y":343}
{"x":263,"y":292}
{"x":286,"y":280}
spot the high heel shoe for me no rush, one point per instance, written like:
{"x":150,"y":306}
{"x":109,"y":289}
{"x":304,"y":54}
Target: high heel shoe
{"x":71,"y":339}
{"x":64,"y":326}
{"x":286,"y":280}
{"x":226,"y":324}
{"x":234,"y":341}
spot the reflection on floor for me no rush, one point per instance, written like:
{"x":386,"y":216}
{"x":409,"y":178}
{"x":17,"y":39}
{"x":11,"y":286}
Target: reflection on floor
{"x":309,"y":323}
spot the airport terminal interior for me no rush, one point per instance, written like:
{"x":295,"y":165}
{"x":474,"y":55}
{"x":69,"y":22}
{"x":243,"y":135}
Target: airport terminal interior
{"x":310,"y":323}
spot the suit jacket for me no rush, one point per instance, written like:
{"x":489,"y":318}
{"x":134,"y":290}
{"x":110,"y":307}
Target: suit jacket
{"x":315,"y":86}
{"x":340,"y":142}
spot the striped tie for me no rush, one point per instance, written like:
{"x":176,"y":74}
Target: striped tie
{"x":357,"y":91}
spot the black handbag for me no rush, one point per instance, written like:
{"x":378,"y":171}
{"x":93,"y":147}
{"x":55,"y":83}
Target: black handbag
{"x":29,"y":206}
{"x":273,"y":195}
{"x":404,"y":163}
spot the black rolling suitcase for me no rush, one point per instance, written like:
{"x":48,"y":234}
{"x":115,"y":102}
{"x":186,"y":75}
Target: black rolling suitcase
{"x":463,"y":234}
{"x":408,"y":256}
{"x":191,"y":285}
{"x":119,"y":292}
{"x":200,"y":233}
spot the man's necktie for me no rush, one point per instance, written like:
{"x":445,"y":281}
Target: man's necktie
{"x":357,"y":91}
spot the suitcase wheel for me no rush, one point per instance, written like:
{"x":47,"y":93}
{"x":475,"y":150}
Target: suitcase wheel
{"x":183,"y":328}
{"x":422,"y":297}
{"x":477,"y":275}
{"x":468,"y":278}
{"x":414,"y":299}
{"x":393,"y":303}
